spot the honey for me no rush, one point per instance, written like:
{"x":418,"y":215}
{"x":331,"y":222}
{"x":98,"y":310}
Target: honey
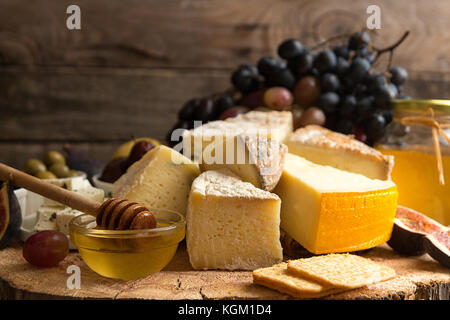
{"x":128,"y":254}
{"x":417,"y":178}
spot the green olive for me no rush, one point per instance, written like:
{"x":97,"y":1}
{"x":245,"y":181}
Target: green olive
{"x":60,"y":170}
{"x":46,"y":175}
{"x":33,"y":166}
{"x":53,"y":157}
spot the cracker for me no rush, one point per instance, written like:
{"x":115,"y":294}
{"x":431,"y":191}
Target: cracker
{"x":279,"y":278}
{"x":341,"y":270}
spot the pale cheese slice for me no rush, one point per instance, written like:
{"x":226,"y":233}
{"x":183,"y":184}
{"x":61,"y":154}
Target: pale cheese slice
{"x":231,"y":224}
{"x":325,"y":147}
{"x":254,"y":159}
{"x":160,"y":180}
{"x":328,"y":210}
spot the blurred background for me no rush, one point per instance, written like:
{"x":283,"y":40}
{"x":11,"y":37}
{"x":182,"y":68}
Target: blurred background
{"x":135,"y":63}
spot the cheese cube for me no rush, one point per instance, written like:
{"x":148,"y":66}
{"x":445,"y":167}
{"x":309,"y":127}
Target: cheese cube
{"x":46,"y":218}
{"x":231,"y":224}
{"x":161,"y":179}
{"x":254,"y":159}
{"x":328,"y":210}
{"x":64,"y":217}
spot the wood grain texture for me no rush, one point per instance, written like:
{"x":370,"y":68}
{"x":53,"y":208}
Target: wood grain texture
{"x":210,"y":33}
{"x":417,"y":278}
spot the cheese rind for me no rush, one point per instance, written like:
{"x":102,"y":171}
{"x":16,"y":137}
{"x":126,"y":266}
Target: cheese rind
{"x":325,"y":147}
{"x":328,"y":210}
{"x":254,"y":159}
{"x":231,"y":224}
{"x":276,"y":125}
{"x":161,"y":179}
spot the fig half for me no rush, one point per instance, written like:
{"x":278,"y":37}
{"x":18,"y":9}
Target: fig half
{"x":10,"y":215}
{"x":414,"y":234}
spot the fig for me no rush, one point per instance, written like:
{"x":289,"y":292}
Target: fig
{"x":82,"y":161}
{"x":114,"y":169}
{"x":438,"y":247}
{"x":413,"y":229}
{"x":10,"y":215}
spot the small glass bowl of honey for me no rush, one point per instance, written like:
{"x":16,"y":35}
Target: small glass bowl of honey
{"x":128,"y":254}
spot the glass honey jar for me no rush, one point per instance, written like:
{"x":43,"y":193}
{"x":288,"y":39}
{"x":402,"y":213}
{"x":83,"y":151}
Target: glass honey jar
{"x":418,"y":138}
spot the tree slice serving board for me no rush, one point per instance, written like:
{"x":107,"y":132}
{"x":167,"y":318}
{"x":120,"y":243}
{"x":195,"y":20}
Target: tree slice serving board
{"x":417,"y":278}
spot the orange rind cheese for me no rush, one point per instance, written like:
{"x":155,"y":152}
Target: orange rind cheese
{"x":328,"y":210}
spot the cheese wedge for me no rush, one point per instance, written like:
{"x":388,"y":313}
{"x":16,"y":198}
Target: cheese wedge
{"x":161,"y":179}
{"x":231,"y":224}
{"x":254,"y":159}
{"x":276,"y":125}
{"x":328,"y":210}
{"x":325,"y":147}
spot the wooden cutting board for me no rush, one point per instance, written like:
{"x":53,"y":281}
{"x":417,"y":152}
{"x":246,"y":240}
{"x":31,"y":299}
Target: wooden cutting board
{"x":417,"y":278}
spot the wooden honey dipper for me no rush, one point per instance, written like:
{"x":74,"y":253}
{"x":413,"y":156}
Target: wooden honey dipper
{"x":112,"y":214}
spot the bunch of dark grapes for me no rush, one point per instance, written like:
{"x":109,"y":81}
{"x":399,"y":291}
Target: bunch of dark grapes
{"x":337,"y":87}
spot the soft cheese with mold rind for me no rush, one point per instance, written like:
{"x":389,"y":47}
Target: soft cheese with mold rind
{"x":328,"y":210}
{"x":161,"y":179}
{"x":232,"y":225}
{"x":276,"y":125}
{"x":254,"y":159}
{"x":325,"y":147}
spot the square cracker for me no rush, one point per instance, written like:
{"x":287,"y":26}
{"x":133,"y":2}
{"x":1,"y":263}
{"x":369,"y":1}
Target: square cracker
{"x":341,"y":270}
{"x":279,"y":278}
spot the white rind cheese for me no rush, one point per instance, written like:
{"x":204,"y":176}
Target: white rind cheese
{"x":232,"y":225}
{"x":254,"y":159}
{"x":64,"y":217}
{"x":325,"y":147}
{"x":160,"y":180}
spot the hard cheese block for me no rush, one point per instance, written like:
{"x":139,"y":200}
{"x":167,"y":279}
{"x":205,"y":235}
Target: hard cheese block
{"x":276,"y":125}
{"x":325,"y":147}
{"x":254,"y":159}
{"x":231,"y":224}
{"x":328,"y":210}
{"x":161,"y":179}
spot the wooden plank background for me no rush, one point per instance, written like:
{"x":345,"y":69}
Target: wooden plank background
{"x":135,"y":62}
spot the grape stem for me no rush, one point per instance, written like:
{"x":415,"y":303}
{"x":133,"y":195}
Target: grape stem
{"x":338,"y":37}
{"x":390,"y":49}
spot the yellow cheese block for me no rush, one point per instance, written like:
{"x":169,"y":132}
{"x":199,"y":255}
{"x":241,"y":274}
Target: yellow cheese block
{"x":328,"y":210}
{"x":161,"y":179}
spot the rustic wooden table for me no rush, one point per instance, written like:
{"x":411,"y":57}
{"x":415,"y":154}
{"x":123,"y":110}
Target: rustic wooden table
{"x":417,"y":278}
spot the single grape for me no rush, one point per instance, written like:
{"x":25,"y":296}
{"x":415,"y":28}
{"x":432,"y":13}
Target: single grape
{"x":290,"y":48}
{"x":244,"y":80}
{"x":374,"y":127}
{"x":46,"y":248}
{"x":307,"y":91}
{"x":341,"y":51}
{"x":360,"y":134}
{"x":329,"y":82}
{"x":383,"y":96}
{"x":233,"y":112}
{"x":325,"y":61}
{"x":374,"y":81}
{"x":364,"y":106}
{"x":278,"y":98}
{"x":347,"y":107}
{"x":328,"y":102}
{"x":281,"y":78}
{"x":312,"y":115}
{"x":399,"y":75}
{"x":224,"y":102}
{"x":358,"y":39}
{"x":187,"y":112}
{"x":302,"y":63}
{"x":359,"y":68}
{"x":342,"y":66}
{"x":269,"y":65}
{"x":205,"y":111}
